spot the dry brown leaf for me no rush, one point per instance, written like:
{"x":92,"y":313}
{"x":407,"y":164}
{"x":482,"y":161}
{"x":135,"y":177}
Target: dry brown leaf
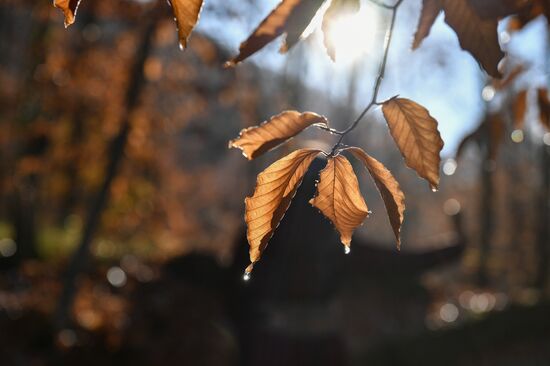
{"x":520,"y":107}
{"x":339,"y":199}
{"x":275,"y":188}
{"x":292,"y":16}
{"x":254,"y":141}
{"x":476,"y":35}
{"x":416,"y":135}
{"x":544,"y":108}
{"x":69,"y":9}
{"x":430,"y":11}
{"x":495,"y":9}
{"x":389,"y":189}
{"x":336,"y":9}
{"x":187,"y":14}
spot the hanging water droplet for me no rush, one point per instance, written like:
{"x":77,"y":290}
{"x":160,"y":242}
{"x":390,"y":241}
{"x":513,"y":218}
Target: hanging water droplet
{"x":347,"y":250}
{"x":180,"y":44}
{"x":246,"y":276}
{"x":434,"y":189}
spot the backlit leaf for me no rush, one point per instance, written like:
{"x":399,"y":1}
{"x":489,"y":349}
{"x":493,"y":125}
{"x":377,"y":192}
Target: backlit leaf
{"x":187,"y":14}
{"x":69,"y":9}
{"x":275,"y":188}
{"x":337,"y":8}
{"x":416,"y":135}
{"x":255,"y":141}
{"x":339,"y":199}
{"x":292,"y":16}
{"x":389,"y":189}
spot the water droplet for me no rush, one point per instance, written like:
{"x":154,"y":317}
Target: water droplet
{"x":347,"y":250}
{"x":246,"y":276}
{"x":434,"y":189}
{"x":180,"y":44}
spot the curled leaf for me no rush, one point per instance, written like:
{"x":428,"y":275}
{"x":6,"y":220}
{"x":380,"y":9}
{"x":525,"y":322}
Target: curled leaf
{"x":254,"y":141}
{"x":69,"y":9}
{"x":389,"y":189}
{"x":339,"y":199}
{"x":416,"y":135}
{"x":275,"y":188}
{"x":187,"y":14}
{"x":336,"y":9}
{"x":290,"y":16}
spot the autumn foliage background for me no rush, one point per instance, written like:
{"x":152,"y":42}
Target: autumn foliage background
{"x":160,"y":279}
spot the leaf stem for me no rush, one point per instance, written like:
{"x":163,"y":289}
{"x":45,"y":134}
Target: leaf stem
{"x":379,"y":78}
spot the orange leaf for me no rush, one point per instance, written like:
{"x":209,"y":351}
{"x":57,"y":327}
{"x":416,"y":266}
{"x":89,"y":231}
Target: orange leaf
{"x":69,"y":9}
{"x":389,"y":189}
{"x":336,"y":9}
{"x":290,"y":16}
{"x":187,"y":14}
{"x":430,"y":11}
{"x":416,"y":135}
{"x":476,"y":35}
{"x":275,"y":188}
{"x":254,"y":141}
{"x":339,"y":199}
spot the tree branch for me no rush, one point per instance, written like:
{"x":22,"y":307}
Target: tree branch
{"x":379,"y":78}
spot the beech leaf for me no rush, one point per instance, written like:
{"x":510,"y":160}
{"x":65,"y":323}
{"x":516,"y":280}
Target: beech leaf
{"x":339,"y":199}
{"x":428,"y":15}
{"x":416,"y":135}
{"x":290,"y":16}
{"x":187,"y":14}
{"x":336,"y":9}
{"x":254,"y":141}
{"x":275,"y":188}
{"x":476,"y":35}
{"x":69,"y":9}
{"x":389,"y":189}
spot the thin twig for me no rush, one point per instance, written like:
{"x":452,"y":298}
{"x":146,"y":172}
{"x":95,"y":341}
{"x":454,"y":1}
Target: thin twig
{"x":379,"y":78}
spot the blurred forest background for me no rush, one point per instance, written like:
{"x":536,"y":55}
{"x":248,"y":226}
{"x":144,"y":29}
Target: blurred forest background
{"x":121,"y":209}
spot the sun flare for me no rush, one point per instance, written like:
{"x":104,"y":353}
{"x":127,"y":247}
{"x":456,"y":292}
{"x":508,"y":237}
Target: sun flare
{"x":353,"y":35}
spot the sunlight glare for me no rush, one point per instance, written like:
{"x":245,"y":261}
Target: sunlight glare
{"x":353,"y":35}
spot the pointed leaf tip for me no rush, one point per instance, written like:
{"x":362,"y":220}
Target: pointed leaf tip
{"x":339,"y":198}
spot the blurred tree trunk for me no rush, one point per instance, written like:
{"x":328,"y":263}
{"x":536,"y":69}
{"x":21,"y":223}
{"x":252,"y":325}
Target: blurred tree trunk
{"x":22,"y":198}
{"x":486,"y":205}
{"x":82,"y":254}
{"x":543,"y":236}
